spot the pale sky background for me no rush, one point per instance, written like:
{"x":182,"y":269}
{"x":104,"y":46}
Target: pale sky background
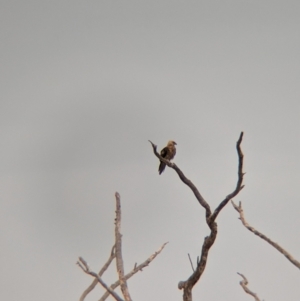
{"x":85,"y":84}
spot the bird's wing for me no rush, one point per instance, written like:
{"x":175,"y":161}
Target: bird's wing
{"x":164,"y":152}
{"x":174,"y":152}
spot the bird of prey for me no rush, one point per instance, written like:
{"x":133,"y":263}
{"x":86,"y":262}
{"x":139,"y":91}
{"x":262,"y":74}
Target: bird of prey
{"x":168,"y":153}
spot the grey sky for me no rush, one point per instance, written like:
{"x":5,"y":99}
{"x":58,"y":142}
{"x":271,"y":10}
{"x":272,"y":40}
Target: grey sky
{"x":85,"y":84}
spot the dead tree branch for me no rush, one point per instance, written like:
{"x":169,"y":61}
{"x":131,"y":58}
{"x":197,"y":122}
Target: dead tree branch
{"x":188,"y":284}
{"x":95,"y":281}
{"x":239,"y":209}
{"x":84,"y":266}
{"x":116,"y":251}
{"x":183,"y":178}
{"x":243,"y":284}
{"x":119,"y":259}
{"x":136,"y":269}
{"x":239,"y":184}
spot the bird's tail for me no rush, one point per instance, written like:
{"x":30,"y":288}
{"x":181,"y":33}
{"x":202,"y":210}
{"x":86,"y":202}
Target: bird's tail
{"x":161,"y":167}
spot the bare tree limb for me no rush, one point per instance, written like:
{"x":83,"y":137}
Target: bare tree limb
{"x":136,"y":269}
{"x":84,"y":266}
{"x":118,"y":243}
{"x":119,"y":259}
{"x":239,"y":184}
{"x":183,"y":178}
{"x":239,"y":209}
{"x":103,"y":269}
{"x":188,"y":285}
{"x":243,"y":284}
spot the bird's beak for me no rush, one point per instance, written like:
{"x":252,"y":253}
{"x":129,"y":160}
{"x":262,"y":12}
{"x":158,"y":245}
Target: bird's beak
{"x":174,"y":142}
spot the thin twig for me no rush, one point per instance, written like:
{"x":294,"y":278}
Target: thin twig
{"x":119,"y":259}
{"x":103,"y":269}
{"x":191,"y":262}
{"x":84,"y":266}
{"x":243,"y":284}
{"x":239,"y":209}
{"x":134,"y":271}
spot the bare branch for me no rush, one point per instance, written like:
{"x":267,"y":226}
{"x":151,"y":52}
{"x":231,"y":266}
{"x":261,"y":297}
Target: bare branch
{"x":119,"y":259}
{"x":239,"y":185}
{"x":239,"y":209}
{"x":110,"y":290}
{"x":103,"y":269}
{"x":84,"y":266}
{"x":243,"y":284}
{"x":188,"y":285}
{"x":136,"y":269}
{"x":186,"y":181}
{"x":191,"y":262}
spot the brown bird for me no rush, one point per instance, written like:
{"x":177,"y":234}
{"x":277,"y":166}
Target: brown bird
{"x":168,"y":153}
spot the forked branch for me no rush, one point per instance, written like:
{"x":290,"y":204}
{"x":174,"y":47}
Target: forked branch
{"x":188,"y":285}
{"x":240,"y":210}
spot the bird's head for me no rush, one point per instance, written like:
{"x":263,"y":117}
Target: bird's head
{"x":171,"y":142}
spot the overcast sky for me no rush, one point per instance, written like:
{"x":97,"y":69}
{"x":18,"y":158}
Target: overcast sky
{"x":85,"y":84}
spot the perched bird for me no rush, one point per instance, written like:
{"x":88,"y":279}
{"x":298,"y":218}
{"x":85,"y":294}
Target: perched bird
{"x":168,"y":153}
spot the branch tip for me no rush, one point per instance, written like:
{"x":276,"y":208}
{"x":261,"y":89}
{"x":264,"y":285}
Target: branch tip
{"x":243,"y":284}
{"x":240,"y":138}
{"x":153,"y":145}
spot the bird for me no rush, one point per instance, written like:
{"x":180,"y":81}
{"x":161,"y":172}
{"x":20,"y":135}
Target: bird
{"x":168,"y":153}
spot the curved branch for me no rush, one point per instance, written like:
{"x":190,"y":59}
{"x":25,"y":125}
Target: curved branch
{"x":243,"y":284}
{"x":239,"y":209}
{"x":239,"y":184}
{"x":186,"y":181}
